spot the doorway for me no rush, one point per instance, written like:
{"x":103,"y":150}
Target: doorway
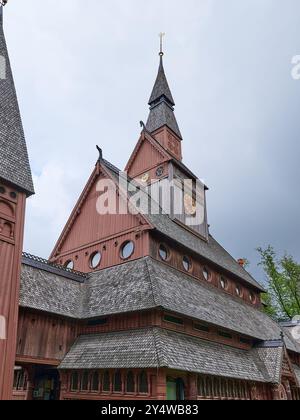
{"x":175,"y":389}
{"x":47,"y":385}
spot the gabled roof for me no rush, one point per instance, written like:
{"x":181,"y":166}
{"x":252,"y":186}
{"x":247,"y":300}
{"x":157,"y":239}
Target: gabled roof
{"x":146,"y":137}
{"x":14,"y":162}
{"x":105,"y":168}
{"x":158,"y":348}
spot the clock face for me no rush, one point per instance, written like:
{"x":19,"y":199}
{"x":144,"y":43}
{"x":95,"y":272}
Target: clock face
{"x":190,"y":206}
{"x":159,"y":171}
{"x":145,"y":178}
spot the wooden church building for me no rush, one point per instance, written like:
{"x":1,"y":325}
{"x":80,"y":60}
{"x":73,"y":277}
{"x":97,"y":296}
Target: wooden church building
{"x":130,"y":305}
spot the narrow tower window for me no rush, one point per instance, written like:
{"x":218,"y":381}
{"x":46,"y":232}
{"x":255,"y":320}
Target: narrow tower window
{"x":143,"y":383}
{"x":74,"y":381}
{"x":117,"y":382}
{"x":130,"y":382}
{"x":95,"y":382}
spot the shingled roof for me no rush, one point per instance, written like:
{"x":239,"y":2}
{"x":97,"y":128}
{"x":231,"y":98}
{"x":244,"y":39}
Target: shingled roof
{"x":161,"y":86}
{"x":157,"y":348}
{"x":142,"y":285}
{"x":162,"y":105}
{"x":14,"y":162}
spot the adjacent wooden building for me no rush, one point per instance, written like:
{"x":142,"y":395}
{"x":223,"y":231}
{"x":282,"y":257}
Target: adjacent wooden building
{"x":133,"y":304}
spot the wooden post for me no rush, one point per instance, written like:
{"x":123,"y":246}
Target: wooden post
{"x":11,"y":243}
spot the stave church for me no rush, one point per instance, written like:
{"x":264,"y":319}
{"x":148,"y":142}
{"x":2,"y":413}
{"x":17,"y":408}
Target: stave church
{"x":130,"y":305}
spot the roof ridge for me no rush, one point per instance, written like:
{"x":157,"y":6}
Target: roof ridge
{"x":15,"y":165}
{"x":46,"y":265}
{"x":146,"y":260}
{"x":160,"y":363}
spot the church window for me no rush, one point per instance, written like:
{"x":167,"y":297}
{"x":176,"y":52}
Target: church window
{"x":201,"y":386}
{"x":252,"y":298}
{"x":13,"y":195}
{"x":130,"y":382}
{"x":163,"y":252}
{"x":97,"y":322}
{"x":69,"y":265}
{"x":206,"y":274}
{"x":95,"y":260}
{"x":106,"y":381}
{"x":173,"y":319}
{"x":223,"y":283}
{"x":19,"y":379}
{"x":127,"y":250}
{"x":187,"y":264}
{"x":143,"y":383}
{"x":225,"y":334}
{"x":85,"y":381}
{"x":238,"y":291}
{"x":245,"y":341}
{"x":209,"y":388}
{"x":2,"y":190}
{"x":117,"y":381}
{"x":74,"y":381}
{"x":95,"y":382}
{"x":202,"y":328}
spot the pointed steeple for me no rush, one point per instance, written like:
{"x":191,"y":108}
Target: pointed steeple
{"x":14,"y":162}
{"x":161,"y":87}
{"x":162,"y":104}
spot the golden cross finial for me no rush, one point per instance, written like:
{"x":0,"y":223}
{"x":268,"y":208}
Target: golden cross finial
{"x":161,"y":36}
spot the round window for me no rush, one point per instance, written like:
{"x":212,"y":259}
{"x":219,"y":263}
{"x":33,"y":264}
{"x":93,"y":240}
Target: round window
{"x":206,"y":274}
{"x":95,"y":260}
{"x":127,"y":250}
{"x":252,"y":297}
{"x":238,"y":290}
{"x":163,"y":253}
{"x":187,"y":264}
{"x":223,"y":283}
{"x":70,"y":265}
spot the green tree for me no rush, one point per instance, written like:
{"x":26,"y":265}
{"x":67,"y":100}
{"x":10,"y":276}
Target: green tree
{"x":283,"y":297}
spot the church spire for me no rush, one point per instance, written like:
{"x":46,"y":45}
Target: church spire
{"x":161,"y":102}
{"x":14,"y":162}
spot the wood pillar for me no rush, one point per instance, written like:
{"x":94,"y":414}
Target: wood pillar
{"x":161,"y":385}
{"x":30,"y":374}
{"x":64,"y":384}
{"x":12,"y":214}
{"x":279,"y":393}
{"x":288,"y":390}
{"x":192,"y":391}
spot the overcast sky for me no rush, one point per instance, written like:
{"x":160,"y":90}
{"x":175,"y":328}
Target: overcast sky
{"x":84,"y":71}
